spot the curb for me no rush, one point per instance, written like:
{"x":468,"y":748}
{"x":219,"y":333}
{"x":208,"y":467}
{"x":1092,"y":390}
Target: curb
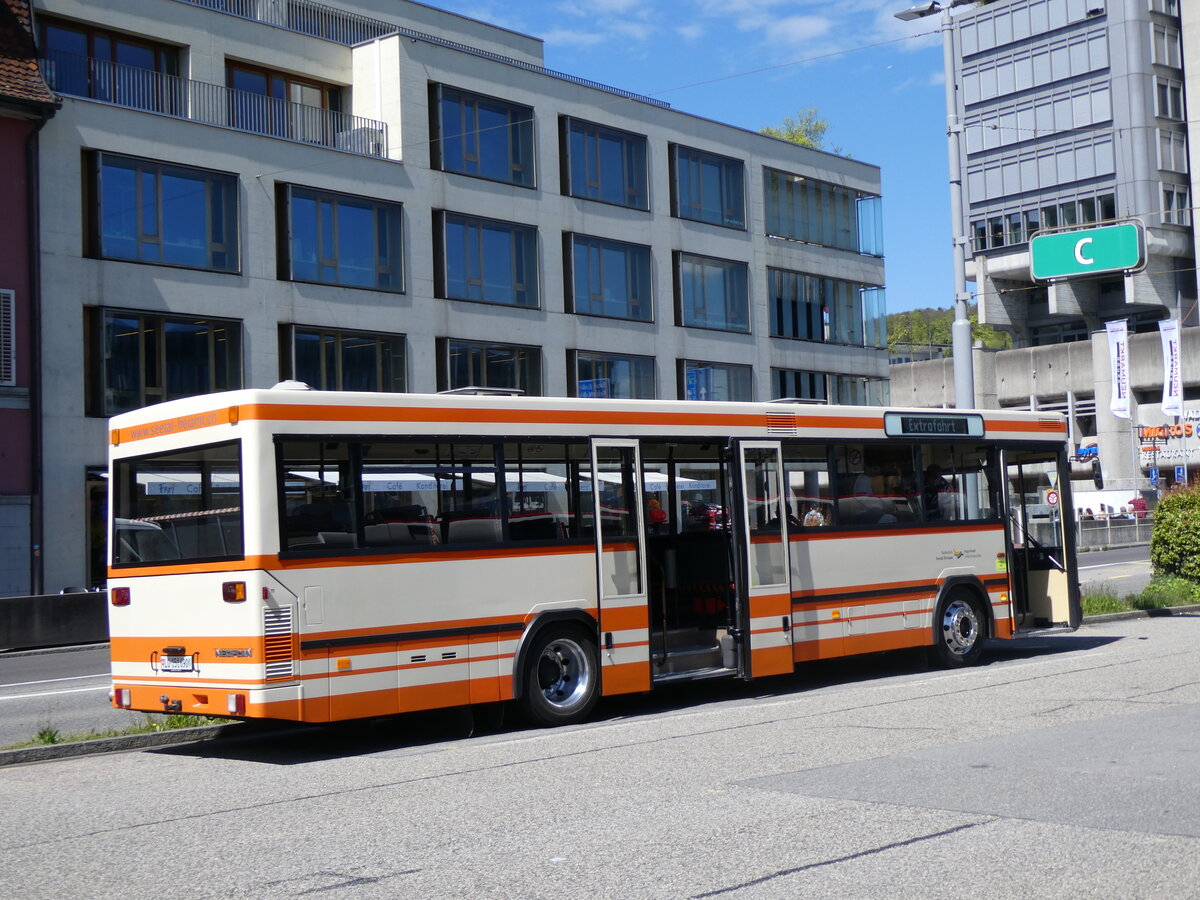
{"x":117,"y":744}
{"x":1161,"y":612}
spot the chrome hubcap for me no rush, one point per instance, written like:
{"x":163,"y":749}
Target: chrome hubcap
{"x":564,"y":674}
{"x":960,"y":627}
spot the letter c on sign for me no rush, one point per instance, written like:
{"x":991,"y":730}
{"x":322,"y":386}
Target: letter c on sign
{"x":1083,"y":260}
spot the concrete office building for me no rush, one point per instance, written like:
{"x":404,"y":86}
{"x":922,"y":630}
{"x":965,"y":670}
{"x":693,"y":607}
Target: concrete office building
{"x":385,"y":196}
{"x":1073,"y":114}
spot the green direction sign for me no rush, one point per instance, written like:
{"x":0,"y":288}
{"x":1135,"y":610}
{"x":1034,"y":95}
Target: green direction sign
{"x":1088,"y":251}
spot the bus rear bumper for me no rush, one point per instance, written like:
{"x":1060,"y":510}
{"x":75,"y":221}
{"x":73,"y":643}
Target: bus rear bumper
{"x":173,"y":698}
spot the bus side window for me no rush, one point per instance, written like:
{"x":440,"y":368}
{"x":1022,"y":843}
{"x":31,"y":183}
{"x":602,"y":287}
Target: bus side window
{"x":809,"y":496}
{"x":319,"y":511}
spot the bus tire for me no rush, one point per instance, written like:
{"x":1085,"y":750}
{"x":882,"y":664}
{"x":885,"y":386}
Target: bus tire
{"x":959,"y":630}
{"x":560,"y":677}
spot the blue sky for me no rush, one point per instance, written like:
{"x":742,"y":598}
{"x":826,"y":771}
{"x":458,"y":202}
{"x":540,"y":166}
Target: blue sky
{"x":751,"y":62}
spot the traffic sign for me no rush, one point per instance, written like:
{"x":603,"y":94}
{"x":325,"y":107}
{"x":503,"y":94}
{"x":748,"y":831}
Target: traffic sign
{"x":1180,"y":474}
{"x":1154,"y":476}
{"x":1052,"y":498}
{"x":1087,"y":251}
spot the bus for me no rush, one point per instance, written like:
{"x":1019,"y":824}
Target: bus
{"x":322,"y":556}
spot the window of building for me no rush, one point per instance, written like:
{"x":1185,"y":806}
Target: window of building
{"x":608,"y":278}
{"x":1165,"y":45}
{"x":1175,"y":205}
{"x":1032,"y":222}
{"x":799,"y":384}
{"x":1172,"y":150}
{"x":1013,"y":228}
{"x":979,"y":235}
{"x":329,"y":359}
{"x":611,"y":375}
{"x":8,"y":338}
{"x":339,"y":239}
{"x":1068,"y":213}
{"x":712,"y":293}
{"x":1168,"y":97}
{"x":151,"y":212}
{"x":1108,"y":206}
{"x":266,"y":101}
{"x":707,"y":187}
{"x":715,"y":381}
{"x":464,"y":364}
{"x":482,"y":136}
{"x":1049,"y":216}
{"x":804,"y":209}
{"x":136,"y":359}
{"x":605,"y":164}
{"x":797,"y":305}
{"x":104,"y":65}
{"x":486,"y":260}
{"x":995,"y":227}
{"x":858,"y":390}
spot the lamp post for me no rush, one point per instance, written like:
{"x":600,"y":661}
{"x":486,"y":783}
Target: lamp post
{"x":964,"y":375}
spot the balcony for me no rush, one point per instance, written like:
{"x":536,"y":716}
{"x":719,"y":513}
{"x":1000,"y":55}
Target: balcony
{"x":213,"y":104}
{"x":341,"y":27}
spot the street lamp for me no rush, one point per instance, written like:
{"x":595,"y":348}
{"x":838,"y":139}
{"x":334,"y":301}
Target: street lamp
{"x":964,"y":375}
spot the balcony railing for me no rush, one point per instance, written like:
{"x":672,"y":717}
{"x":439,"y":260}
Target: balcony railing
{"x":341,"y":27}
{"x":213,"y":104}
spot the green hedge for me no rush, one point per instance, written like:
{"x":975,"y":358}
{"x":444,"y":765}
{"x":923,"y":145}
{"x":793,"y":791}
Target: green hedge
{"x":1175,"y":541}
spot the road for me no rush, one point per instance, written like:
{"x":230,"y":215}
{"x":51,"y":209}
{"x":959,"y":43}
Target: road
{"x":1123,"y":570}
{"x":1066,"y":767}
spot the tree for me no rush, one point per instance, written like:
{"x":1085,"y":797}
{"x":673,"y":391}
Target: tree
{"x":807,"y":129}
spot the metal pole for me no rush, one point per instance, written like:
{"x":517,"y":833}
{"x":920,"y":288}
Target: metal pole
{"x":964,"y":375}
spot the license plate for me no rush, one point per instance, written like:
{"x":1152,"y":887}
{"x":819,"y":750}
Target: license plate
{"x":175,"y":663}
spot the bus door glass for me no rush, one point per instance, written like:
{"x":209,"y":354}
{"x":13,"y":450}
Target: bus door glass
{"x":621,"y":566}
{"x":763,"y":535}
{"x":1042,"y":571}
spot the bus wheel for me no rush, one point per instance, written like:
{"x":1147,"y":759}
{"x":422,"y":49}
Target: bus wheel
{"x":958,"y":630}
{"x":559,"y":677}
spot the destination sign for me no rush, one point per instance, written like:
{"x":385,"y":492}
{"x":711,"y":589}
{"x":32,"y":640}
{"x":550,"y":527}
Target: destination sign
{"x":918,"y":425}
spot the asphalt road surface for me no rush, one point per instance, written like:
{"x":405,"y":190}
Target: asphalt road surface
{"x":1066,"y":767}
{"x":1123,"y":570}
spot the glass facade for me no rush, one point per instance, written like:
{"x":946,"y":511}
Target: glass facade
{"x":140,"y":359}
{"x":464,"y":364}
{"x":816,"y":212}
{"x":338,"y":239}
{"x":799,"y":384}
{"x":332,"y":360}
{"x":110,"y":66}
{"x":715,"y":381}
{"x":708,"y":188}
{"x":494,"y":262}
{"x":712,"y":293}
{"x":483,"y":136}
{"x":152,"y":212}
{"x":610,"y":375}
{"x":605,"y":164}
{"x":610,"y":278}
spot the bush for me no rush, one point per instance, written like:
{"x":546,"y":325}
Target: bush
{"x":1175,"y":541}
{"x":1167,"y":590}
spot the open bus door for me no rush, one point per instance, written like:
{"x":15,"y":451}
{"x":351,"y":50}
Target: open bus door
{"x":1043,"y":577}
{"x":764,"y":582}
{"x":620,"y":566}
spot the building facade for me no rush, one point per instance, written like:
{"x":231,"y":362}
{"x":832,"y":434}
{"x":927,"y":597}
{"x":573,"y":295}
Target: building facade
{"x":1074,"y":114}
{"x":386,"y":196}
{"x":25,"y":106}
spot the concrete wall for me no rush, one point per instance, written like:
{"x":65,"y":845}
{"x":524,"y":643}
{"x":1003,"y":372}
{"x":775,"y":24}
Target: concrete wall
{"x":56,"y":620}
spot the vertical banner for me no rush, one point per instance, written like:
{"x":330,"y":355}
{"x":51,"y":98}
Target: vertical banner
{"x":1118,"y":355}
{"x":1172,"y":399}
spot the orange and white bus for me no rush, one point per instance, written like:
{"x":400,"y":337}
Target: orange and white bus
{"x":318,"y":556}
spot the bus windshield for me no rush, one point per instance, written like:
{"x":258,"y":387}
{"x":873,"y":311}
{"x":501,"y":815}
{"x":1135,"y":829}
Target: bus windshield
{"x":178,"y":507}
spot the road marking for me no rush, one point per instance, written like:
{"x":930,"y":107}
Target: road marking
{"x":53,"y":680}
{"x":103,"y":687}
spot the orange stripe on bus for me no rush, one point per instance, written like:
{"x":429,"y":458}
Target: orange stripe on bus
{"x":625,"y":678}
{"x":625,"y":618}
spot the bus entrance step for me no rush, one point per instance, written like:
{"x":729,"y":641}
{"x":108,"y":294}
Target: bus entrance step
{"x":694,"y":674}
{"x":688,"y":658}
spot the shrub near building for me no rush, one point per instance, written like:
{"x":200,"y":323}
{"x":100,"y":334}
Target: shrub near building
{"x":1175,"y":542}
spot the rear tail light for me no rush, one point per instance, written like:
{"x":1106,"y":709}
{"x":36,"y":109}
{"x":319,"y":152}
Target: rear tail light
{"x":233,"y":591}
{"x":121,"y":698}
{"x":236,"y":704}
{"x":119,"y":596}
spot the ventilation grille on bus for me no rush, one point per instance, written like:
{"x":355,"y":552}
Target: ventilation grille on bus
{"x":781,"y":423}
{"x":277,"y":649}
{"x":1050,"y":424}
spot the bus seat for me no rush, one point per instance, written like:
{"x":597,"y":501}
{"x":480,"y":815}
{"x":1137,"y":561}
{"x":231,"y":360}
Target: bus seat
{"x":474,"y":531}
{"x":388,"y":534}
{"x":336,"y":539}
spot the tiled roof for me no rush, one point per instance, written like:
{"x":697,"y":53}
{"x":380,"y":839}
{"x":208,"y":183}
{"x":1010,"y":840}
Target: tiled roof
{"x":20,"y":78}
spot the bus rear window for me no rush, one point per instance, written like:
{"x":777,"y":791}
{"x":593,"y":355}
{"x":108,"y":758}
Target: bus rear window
{"x":178,"y":507}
